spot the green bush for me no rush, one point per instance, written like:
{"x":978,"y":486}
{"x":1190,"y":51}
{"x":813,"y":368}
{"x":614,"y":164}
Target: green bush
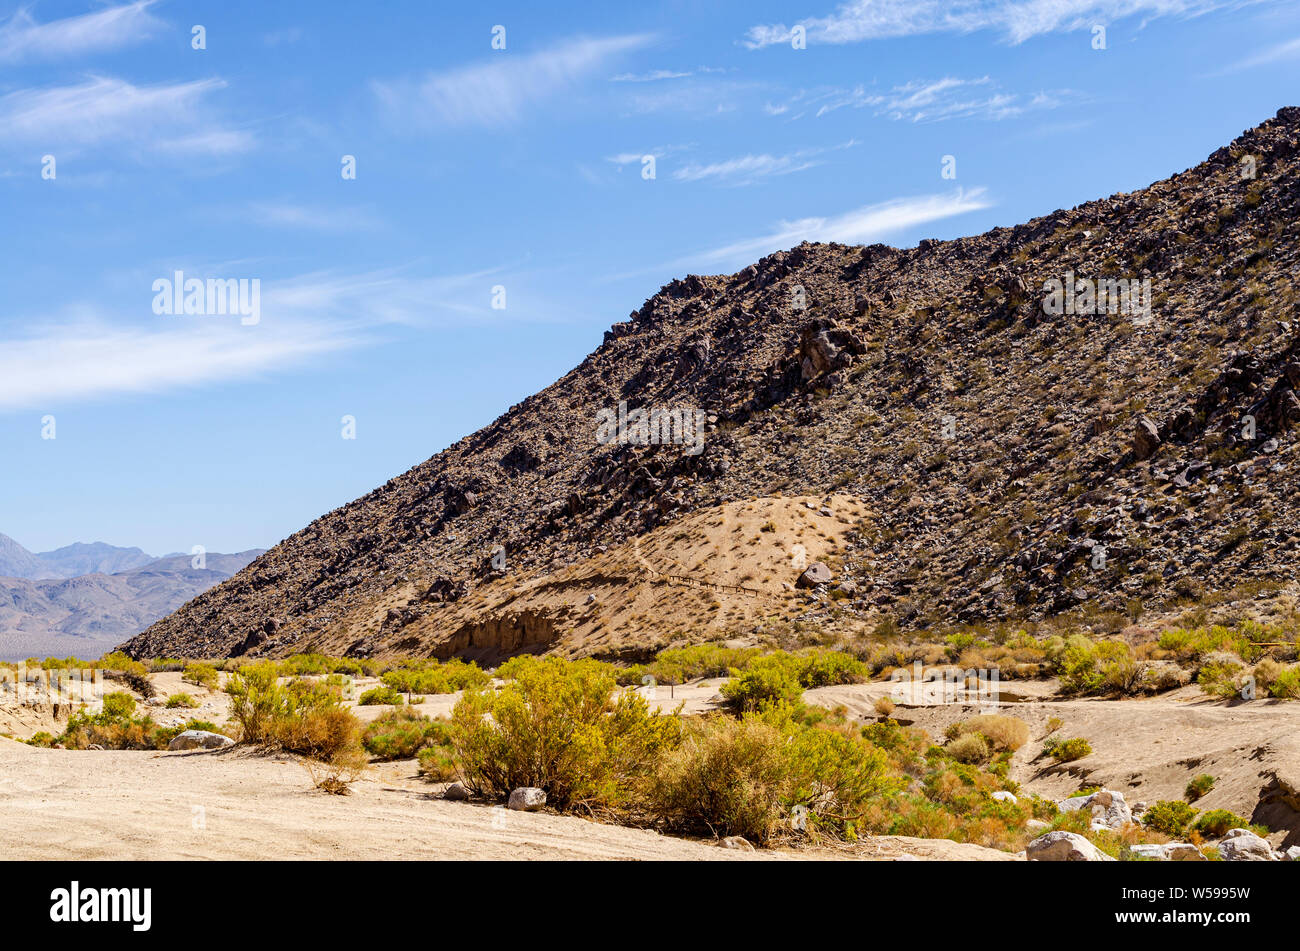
{"x":558,"y":725}
{"x":1198,"y":787}
{"x":770,"y":774}
{"x":301,"y":716}
{"x":1286,"y":685}
{"x":678,"y":665}
{"x":762,"y":685}
{"x":201,"y":675}
{"x":1067,"y":751}
{"x":434,"y":677}
{"x":181,"y":700}
{"x":1169,"y":816}
{"x":118,"y":705}
{"x":1218,"y":821}
{"x":969,"y":748}
{"x":402,"y":733}
{"x":1220,"y":678}
{"x":780,"y":677}
{"x":377,"y":696}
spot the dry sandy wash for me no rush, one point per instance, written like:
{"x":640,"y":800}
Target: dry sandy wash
{"x":234,"y":804}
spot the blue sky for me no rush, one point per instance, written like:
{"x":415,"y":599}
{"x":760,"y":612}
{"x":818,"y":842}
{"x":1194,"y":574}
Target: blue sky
{"x":477,"y":168}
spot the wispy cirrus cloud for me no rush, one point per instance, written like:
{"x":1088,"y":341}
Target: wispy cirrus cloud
{"x":22,"y":38}
{"x":88,"y":353}
{"x":653,"y":76}
{"x":499,"y":90}
{"x":860,"y":226}
{"x":933,"y":100}
{"x":281,"y":214}
{"x":1279,"y":52}
{"x":1016,"y":20}
{"x":168,"y":116}
{"x":750,"y":169}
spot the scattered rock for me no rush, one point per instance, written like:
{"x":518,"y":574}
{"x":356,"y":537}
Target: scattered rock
{"x":1146,"y":438}
{"x":200,"y":740}
{"x":815,"y":574}
{"x":1242,"y":845}
{"x":737,"y":842}
{"x":457,"y":791}
{"x":527,"y":799}
{"x":1063,"y":846}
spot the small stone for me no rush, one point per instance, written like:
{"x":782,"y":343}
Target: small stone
{"x":200,"y":740}
{"x":738,"y":842}
{"x":457,"y":791}
{"x":815,"y":574}
{"x":527,"y":799}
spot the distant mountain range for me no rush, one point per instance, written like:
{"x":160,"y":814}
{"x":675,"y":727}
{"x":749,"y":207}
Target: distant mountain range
{"x":85,"y":598}
{"x":69,"y":561}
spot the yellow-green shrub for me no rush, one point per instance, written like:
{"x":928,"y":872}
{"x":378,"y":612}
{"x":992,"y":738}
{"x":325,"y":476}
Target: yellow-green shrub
{"x":559,"y":726}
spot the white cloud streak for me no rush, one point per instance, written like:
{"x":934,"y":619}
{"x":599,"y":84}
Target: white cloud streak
{"x":22,"y":38}
{"x":169,"y":116}
{"x":84,"y":357}
{"x":1016,"y":20}
{"x":499,"y":90}
{"x":861,"y":226}
{"x":750,"y":169}
{"x":936,"y":100}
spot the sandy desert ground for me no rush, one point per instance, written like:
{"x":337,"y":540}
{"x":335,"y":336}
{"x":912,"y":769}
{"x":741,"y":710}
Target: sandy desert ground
{"x":241,"y":804}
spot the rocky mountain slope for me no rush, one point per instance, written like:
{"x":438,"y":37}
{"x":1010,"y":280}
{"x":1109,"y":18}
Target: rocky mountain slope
{"x":88,"y":614}
{"x":994,"y":456}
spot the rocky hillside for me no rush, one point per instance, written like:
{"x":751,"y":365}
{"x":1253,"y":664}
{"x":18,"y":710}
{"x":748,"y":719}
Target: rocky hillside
{"x":1001,"y":456}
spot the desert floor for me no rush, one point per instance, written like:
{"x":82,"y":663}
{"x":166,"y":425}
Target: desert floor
{"x":241,"y":804}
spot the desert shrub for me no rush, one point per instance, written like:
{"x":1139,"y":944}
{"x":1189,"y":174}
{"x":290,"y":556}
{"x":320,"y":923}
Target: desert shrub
{"x":679,"y":664}
{"x":1195,"y":643}
{"x":115,"y":727}
{"x":1218,"y":821}
{"x":376,"y":696}
{"x":1169,"y":816}
{"x":42,"y":738}
{"x":764,"y":775}
{"x":827,"y":668}
{"x":1004,"y":733}
{"x":884,"y":706}
{"x":763,"y":685}
{"x":201,"y":675}
{"x":781,"y":677}
{"x":1220,"y":677}
{"x":559,"y":726}
{"x":1286,"y":685}
{"x":1087,"y":667}
{"x":1067,"y":751}
{"x":402,"y":733}
{"x":724,"y":779}
{"x":437,"y":763}
{"x":118,"y":705}
{"x":434,"y":677}
{"x":1198,"y":787}
{"x":969,"y":748}
{"x":337,"y":772}
{"x":116,"y":661}
{"x":302,"y":716}
{"x":181,"y":700}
